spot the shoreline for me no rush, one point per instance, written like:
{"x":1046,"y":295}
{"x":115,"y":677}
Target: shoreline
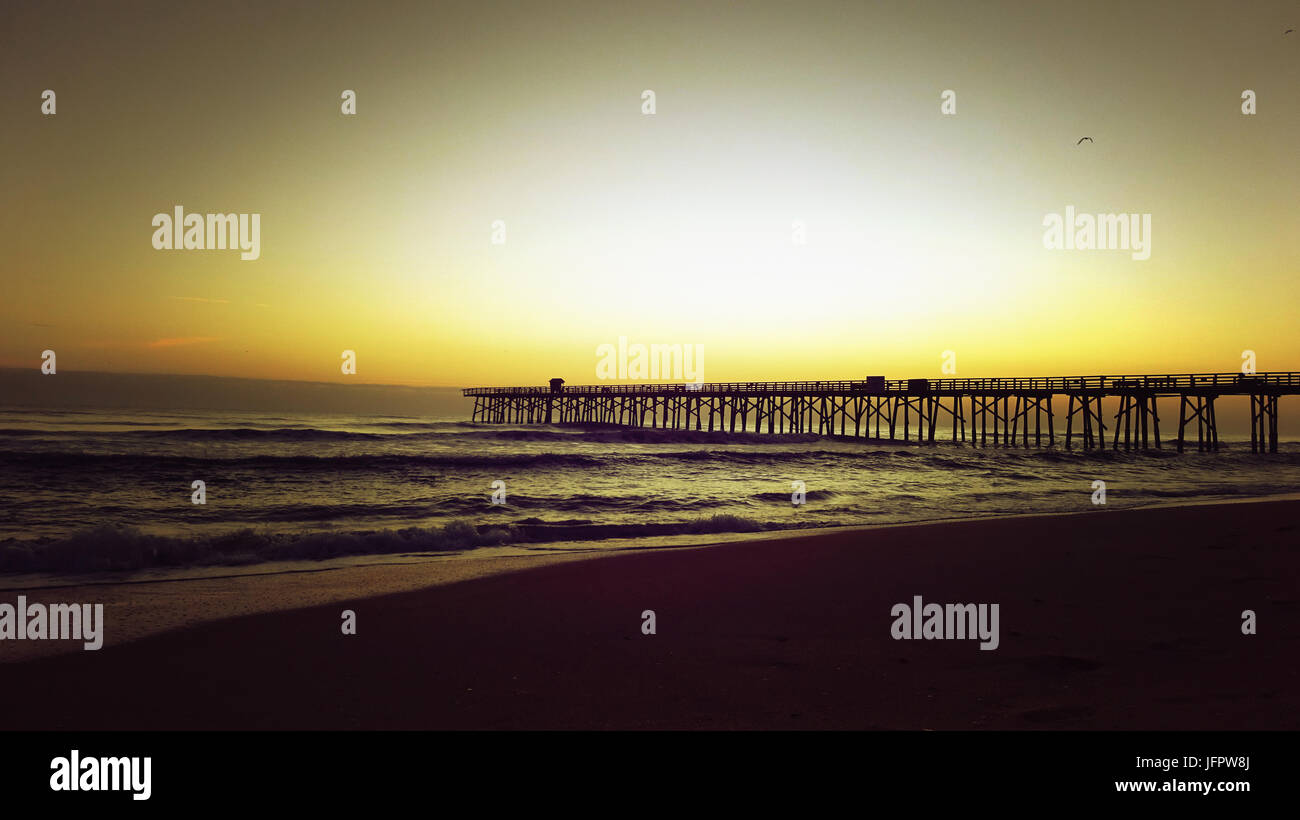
{"x":1126,"y":619}
{"x":186,"y":597}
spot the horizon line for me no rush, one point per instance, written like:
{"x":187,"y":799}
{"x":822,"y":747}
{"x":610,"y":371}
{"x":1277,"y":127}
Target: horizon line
{"x":409,"y":385}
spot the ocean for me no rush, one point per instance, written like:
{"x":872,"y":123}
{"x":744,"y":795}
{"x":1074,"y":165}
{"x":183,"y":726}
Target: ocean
{"x":89,"y":491}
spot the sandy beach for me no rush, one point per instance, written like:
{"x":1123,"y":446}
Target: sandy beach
{"x":1109,"y":620}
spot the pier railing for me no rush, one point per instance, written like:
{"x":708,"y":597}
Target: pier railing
{"x":1242,"y":383}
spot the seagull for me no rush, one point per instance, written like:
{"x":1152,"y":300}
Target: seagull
{"x":1081,"y":139}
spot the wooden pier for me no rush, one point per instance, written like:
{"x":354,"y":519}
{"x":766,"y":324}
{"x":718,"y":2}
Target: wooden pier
{"x":1007,"y":412}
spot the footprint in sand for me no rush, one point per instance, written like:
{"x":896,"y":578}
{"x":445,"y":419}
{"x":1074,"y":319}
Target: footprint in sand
{"x":1060,"y":664}
{"x":1057,"y":714}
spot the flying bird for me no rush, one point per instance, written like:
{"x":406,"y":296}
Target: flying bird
{"x":1288,"y":31}
{"x":1081,"y":139}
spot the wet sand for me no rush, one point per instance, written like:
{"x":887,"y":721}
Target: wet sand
{"x":1108,"y":620}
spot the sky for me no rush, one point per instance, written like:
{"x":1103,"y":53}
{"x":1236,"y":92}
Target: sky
{"x":924,"y":231}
